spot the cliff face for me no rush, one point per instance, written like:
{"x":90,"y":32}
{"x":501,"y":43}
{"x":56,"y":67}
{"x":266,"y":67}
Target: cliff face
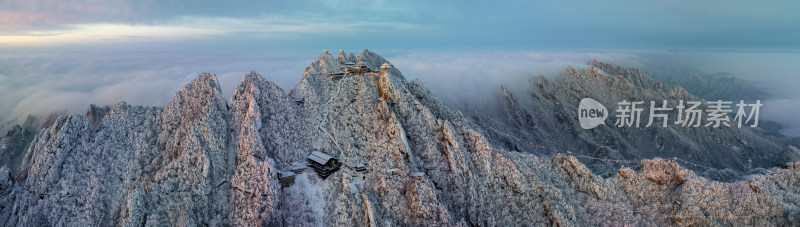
{"x":203,"y":161}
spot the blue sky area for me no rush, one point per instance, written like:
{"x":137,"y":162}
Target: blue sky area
{"x":441,"y":25}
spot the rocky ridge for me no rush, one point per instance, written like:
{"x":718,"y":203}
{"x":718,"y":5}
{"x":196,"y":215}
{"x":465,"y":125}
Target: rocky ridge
{"x":200,"y":160}
{"x":542,"y":118}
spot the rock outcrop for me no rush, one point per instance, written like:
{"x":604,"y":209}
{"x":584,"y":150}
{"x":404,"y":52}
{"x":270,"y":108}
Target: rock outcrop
{"x":203,"y":161}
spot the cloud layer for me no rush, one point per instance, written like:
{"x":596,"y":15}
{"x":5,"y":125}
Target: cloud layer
{"x":468,"y":77}
{"x":462,"y":78}
{"x":42,"y":83}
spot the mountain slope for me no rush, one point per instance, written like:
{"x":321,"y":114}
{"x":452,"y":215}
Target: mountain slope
{"x":543,"y":119}
{"x":203,"y":161}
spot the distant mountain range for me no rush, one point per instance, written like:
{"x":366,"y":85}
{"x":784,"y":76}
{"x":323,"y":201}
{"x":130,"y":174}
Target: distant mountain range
{"x":543,"y":120}
{"x":717,"y":86}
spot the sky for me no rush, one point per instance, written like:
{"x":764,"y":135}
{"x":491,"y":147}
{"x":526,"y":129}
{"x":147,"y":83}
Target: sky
{"x":182,"y":25}
{"x":66,"y":54}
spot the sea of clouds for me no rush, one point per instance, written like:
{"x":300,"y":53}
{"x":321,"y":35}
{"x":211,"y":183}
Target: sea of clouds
{"x":42,"y":83}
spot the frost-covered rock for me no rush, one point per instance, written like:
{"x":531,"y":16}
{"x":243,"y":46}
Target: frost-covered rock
{"x":203,"y":161}
{"x":5,"y":178}
{"x":541,"y":117}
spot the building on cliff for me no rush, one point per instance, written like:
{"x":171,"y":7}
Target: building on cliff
{"x":286,"y":178}
{"x":324,"y":164}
